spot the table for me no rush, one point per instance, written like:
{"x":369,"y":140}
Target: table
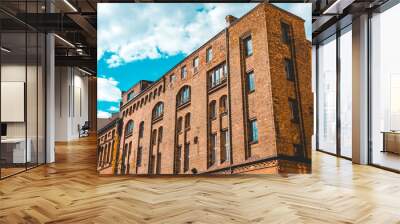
{"x":13,"y":150}
{"x":391,"y":141}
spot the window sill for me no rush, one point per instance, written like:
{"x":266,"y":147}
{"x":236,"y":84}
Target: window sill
{"x":251,"y":91}
{"x":213,"y":118}
{"x":253,"y":142}
{"x":183,"y":105}
{"x":157,"y":119}
{"x":217,"y":87}
{"x":224,"y":113}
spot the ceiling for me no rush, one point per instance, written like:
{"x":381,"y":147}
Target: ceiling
{"x":330,"y":15}
{"x":75,"y":22}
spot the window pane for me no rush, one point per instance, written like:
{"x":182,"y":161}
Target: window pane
{"x":289,"y":69}
{"x":15,"y":69}
{"x":253,"y":131}
{"x":250,"y":82}
{"x":385,"y":88}
{"x":248,"y":46}
{"x":346,"y":94}
{"x":285,"y":29}
{"x":327,"y":96}
{"x":209,"y":54}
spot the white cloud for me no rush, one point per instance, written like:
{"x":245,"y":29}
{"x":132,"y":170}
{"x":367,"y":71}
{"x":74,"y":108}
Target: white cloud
{"x":113,"y":109}
{"x":103,"y":114}
{"x":138,"y":31}
{"x":107,"y":90}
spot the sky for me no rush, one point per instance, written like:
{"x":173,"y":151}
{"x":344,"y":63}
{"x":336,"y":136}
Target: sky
{"x":143,"y":41}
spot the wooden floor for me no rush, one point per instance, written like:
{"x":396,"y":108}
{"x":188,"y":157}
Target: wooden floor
{"x":70,"y":191}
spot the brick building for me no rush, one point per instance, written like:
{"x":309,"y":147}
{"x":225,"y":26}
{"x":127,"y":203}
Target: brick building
{"x":241,"y":103}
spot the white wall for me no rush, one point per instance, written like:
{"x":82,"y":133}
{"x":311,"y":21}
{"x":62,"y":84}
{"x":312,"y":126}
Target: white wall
{"x":71,"y":102}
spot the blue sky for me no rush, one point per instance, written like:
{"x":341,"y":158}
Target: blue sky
{"x":143,"y":41}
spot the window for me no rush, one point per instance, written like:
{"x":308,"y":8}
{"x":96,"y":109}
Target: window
{"x":285,"y":29}
{"x":141,"y":129}
{"x":139,"y":157}
{"x":298,"y":150}
{"x":345,"y":82}
{"x":248,"y":46}
{"x":129,"y":128}
{"x":154,"y":137}
{"x":209,"y":54}
{"x":183,"y":72}
{"x":178,"y":159}
{"x":179,"y":125}
{"x":212,"y":110}
{"x":224,"y":146}
{"x":217,"y":75}
{"x":385,"y":89}
{"x":213,"y":144}
{"x":289,"y":69}
{"x":113,"y":133}
{"x":158,"y":111}
{"x":183,"y":96}
{"x":131,"y":95}
{"x":172,"y":78}
{"x":327,"y":98}
{"x":223,"y":106}
{"x":186,"y":157}
{"x":196,"y":64}
{"x":250,"y":82}
{"x":253,"y":131}
{"x":160,"y":134}
{"x":187,"y":121}
{"x":294,"y":108}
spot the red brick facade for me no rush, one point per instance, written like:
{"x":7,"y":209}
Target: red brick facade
{"x":259,"y":98}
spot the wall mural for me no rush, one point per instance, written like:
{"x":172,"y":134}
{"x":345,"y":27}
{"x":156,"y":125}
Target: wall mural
{"x":207,"y":89}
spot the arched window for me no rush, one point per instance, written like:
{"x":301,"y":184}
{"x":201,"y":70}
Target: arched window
{"x":141,"y":129}
{"x":145,"y":99}
{"x":134,"y":107}
{"x":150,"y":95}
{"x":187,"y":121}
{"x":155,"y":94}
{"x":212,"y":110}
{"x":223,"y":106}
{"x":129,"y":128}
{"x":158,"y":110}
{"x":183,"y":96}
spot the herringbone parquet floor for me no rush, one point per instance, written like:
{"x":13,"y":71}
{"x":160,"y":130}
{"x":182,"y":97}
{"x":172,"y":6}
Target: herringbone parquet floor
{"x":70,"y":191}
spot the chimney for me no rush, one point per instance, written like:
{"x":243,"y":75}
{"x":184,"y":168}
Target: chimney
{"x":229,"y":20}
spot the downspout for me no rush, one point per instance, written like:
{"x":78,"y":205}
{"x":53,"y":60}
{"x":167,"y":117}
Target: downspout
{"x":229,"y":99}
